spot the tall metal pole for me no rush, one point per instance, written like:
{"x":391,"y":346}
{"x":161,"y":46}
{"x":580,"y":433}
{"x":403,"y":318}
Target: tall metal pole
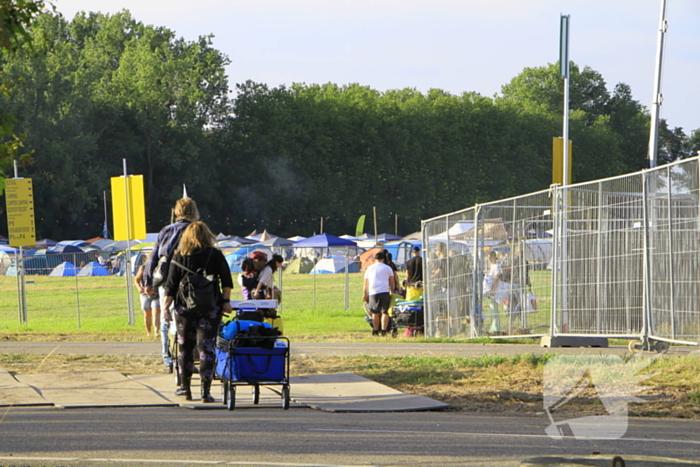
{"x":564,"y":68}
{"x":127,"y":260}
{"x":657,"y":98}
{"x":104,"y":197}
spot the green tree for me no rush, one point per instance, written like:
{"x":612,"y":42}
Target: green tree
{"x":16,"y":17}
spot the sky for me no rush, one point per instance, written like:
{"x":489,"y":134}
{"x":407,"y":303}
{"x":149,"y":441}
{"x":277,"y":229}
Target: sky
{"x":454,"y":45}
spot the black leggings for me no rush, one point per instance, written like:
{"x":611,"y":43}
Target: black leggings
{"x":194,"y":329}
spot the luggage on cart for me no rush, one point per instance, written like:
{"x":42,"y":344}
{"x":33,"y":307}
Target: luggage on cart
{"x":409,"y":315}
{"x":249,"y":360}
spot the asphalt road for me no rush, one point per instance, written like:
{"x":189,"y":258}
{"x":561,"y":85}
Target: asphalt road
{"x":303,"y":437}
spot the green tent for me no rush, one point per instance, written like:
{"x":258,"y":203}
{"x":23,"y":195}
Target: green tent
{"x":300,"y":265}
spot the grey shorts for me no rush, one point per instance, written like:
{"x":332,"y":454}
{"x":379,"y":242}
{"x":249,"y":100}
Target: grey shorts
{"x":149,"y":302}
{"x":379,"y":303}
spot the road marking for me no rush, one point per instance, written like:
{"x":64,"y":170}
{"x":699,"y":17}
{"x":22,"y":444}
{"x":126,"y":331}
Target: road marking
{"x":173,"y":461}
{"x":505,"y":435}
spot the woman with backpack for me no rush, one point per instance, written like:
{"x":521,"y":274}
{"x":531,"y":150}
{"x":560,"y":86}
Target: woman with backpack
{"x":199,"y":282}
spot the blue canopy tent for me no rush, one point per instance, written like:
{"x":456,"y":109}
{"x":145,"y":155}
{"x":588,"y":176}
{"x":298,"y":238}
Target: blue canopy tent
{"x":328,"y":241}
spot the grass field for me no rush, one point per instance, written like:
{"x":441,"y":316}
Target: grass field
{"x":95,"y":308}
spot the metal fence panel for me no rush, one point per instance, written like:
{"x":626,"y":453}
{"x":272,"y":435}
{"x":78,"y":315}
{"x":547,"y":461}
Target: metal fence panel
{"x":674,"y":252}
{"x":623,"y":261}
{"x":599,"y":258}
{"x":518,"y":232}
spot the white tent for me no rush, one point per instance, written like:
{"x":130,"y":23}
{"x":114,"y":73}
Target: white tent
{"x":335,"y":264}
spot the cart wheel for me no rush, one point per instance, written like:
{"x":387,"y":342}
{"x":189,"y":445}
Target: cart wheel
{"x":256,"y":395}
{"x":285,"y":397}
{"x":394,"y":332}
{"x":224,"y":391}
{"x":231,"y":399}
{"x":635,"y":346}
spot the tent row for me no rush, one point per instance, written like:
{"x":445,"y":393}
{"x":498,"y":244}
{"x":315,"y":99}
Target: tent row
{"x":69,"y":269}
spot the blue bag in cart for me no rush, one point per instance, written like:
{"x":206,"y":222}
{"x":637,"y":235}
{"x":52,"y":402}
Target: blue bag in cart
{"x":253,"y":364}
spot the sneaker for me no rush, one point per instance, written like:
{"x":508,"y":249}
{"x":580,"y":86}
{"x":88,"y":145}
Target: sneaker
{"x":168,"y":368}
{"x":375,"y":332}
{"x":383,"y":333}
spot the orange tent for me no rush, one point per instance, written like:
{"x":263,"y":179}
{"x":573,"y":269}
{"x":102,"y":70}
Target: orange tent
{"x":367,"y":258}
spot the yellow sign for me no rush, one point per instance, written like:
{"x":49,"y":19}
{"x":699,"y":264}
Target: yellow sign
{"x":558,"y":161}
{"x":19,"y":200}
{"x":128,"y":209}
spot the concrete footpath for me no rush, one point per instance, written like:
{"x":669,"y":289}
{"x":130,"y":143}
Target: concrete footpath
{"x":335,"y":349}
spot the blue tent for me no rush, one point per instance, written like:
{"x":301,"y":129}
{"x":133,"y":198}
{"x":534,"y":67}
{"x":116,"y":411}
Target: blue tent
{"x":64,"y":269}
{"x":93,"y":269}
{"x":234,"y":262}
{"x":64,"y":249}
{"x":8,"y":249}
{"x":323,"y":241}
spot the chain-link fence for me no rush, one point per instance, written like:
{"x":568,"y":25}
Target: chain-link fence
{"x":615,"y":258}
{"x":64,"y":292}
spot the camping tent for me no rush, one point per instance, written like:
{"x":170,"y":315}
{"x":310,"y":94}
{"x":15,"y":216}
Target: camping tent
{"x":299,"y":266}
{"x":326,"y":241}
{"x":46,"y":242}
{"x":335,"y":265}
{"x":234,"y":262}
{"x":93,"y":269}
{"x":64,"y":269}
{"x":367,"y":257}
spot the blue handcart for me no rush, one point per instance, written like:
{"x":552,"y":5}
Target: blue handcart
{"x":238,"y":365}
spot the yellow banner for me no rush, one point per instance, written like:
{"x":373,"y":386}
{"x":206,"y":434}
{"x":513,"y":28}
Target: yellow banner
{"x":128,"y":208}
{"x":558,"y":161}
{"x":19,"y":200}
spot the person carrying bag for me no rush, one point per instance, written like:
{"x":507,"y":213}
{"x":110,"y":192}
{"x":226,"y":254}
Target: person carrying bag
{"x":200,"y":284}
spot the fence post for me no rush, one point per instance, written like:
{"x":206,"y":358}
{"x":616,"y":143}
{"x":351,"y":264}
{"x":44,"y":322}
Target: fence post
{"x":646,"y":302}
{"x":671,"y":257}
{"x":77,"y":290}
{"x":556,"y":260}
{"x":427,"y":280}
{"x":476,"y":284}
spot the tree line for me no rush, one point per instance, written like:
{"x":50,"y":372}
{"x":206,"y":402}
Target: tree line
{"x":100,"y":88}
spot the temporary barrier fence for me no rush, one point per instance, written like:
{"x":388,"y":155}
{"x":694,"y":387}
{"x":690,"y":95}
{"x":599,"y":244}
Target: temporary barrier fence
{"x":617,"y":257}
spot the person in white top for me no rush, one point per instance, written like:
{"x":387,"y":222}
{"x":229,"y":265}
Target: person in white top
{"x":379,"y":282}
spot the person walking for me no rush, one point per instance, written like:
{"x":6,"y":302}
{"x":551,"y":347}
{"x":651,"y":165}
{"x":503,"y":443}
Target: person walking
{"x":185,"y":212}
{"x":378,"y":284}
{"x":197,"y":326}
{"x":149,"y":304}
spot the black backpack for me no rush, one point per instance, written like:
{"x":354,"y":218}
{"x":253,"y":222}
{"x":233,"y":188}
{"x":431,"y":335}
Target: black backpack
{"x":196,"y":290}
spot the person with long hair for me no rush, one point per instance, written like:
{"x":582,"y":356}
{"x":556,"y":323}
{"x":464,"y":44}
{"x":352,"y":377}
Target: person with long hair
{"x":266,"y":280}
{"x":185,"y":212}
{"x":195,"y":327}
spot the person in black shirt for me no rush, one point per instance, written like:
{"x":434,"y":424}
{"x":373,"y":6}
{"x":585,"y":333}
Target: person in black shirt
{"x":414,"y":267}
{"x":196,"y":251}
